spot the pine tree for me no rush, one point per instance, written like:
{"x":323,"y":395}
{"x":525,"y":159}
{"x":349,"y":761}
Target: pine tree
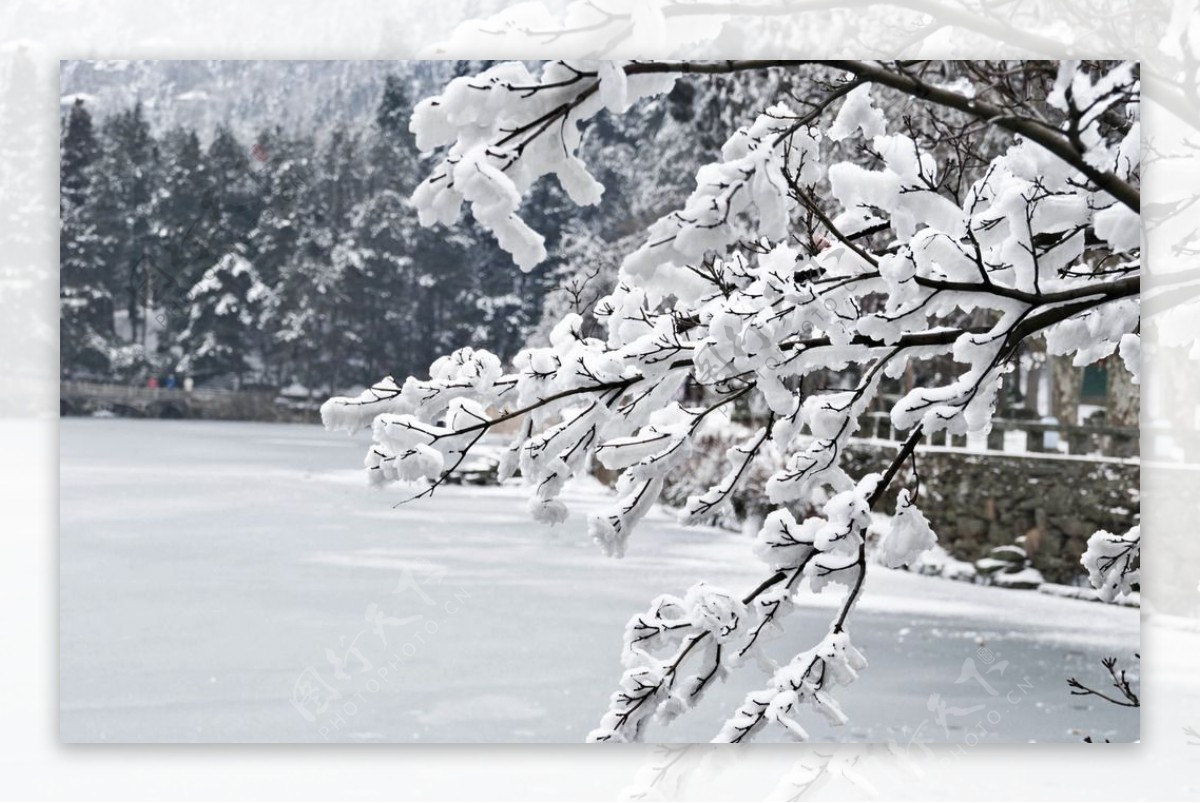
{"x":315,"y":312}
{"x":285,"y":175}
{"x":236,"y":195}
{"x":180,"y":224}
{"x":392,"y":115}
{"x":384,"y":230}
{"x":225,"y":311}
{"x":79,"y":149}
{"x":124,"y":197}
{"x":85,"y":323}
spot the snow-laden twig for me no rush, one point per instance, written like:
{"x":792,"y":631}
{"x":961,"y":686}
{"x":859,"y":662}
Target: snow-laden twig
{"x":1113,"y":562}
{"x":1120,"y":681}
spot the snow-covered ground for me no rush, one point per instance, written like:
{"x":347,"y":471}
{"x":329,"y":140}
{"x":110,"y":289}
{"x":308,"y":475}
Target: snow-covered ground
{"x":225,"y":582}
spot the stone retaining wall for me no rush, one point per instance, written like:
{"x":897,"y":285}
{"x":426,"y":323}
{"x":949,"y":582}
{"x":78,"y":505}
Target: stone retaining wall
{"x":979,"y":500}
{"x":975,"y":500}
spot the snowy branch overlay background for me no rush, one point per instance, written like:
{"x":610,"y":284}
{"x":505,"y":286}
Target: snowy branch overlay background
{"x":1161,"y":35}
{"x":733,"y":292}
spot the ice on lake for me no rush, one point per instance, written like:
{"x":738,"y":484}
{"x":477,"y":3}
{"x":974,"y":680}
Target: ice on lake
{"x":239,"y":582}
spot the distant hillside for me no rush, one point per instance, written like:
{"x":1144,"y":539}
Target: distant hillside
{"x":246,"y":95}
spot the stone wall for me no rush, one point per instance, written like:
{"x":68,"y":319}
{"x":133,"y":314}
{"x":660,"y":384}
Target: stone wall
{"x":979,"y":500}
{"x":975,"y":500}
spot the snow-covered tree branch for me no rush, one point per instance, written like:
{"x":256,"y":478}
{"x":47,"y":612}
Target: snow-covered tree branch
{"x":882,"y":215}
{"x":1113,"y":562}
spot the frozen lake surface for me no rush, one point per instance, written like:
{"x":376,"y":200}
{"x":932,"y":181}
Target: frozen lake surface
{"x":238,"y":582}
